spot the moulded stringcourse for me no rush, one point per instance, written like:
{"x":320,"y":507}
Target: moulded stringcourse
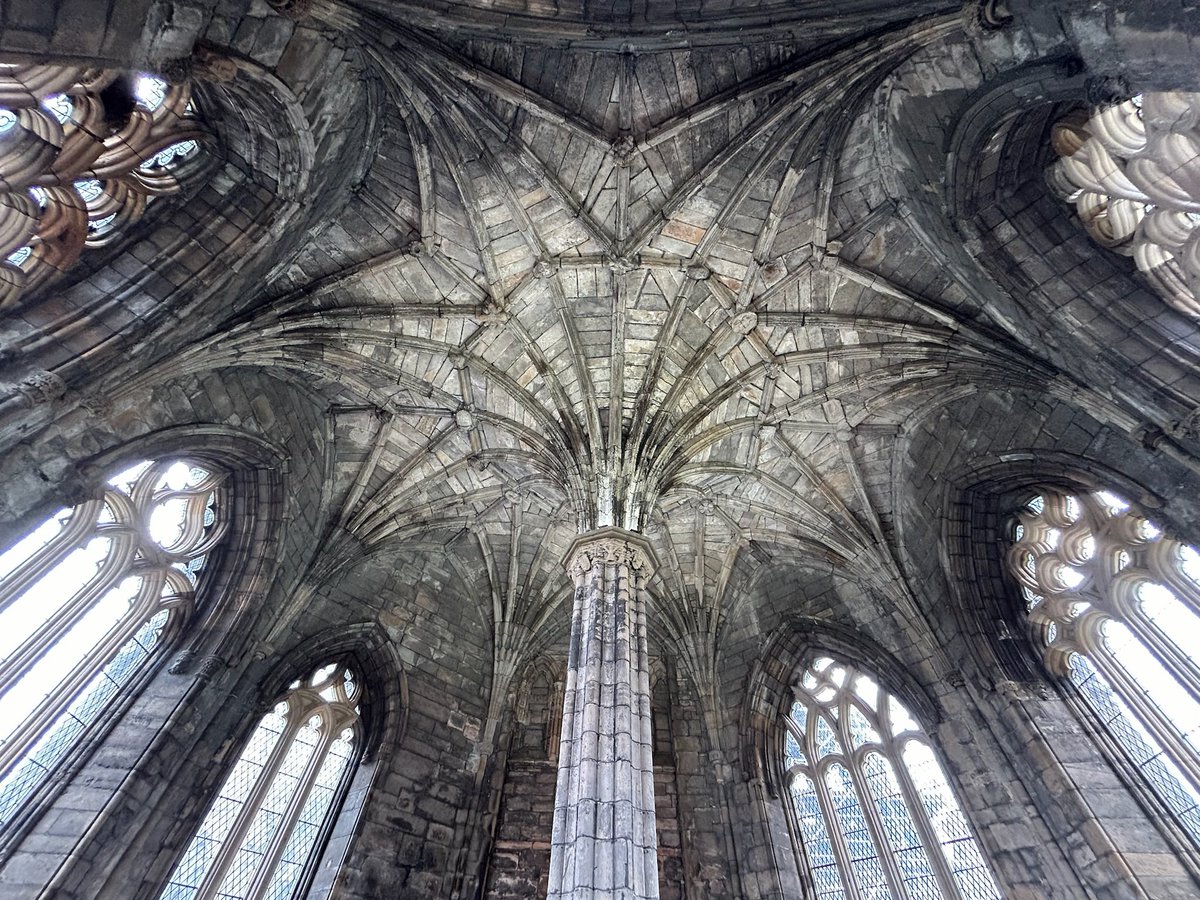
{"x":1132,"y":169}
{"x":82,"y":152}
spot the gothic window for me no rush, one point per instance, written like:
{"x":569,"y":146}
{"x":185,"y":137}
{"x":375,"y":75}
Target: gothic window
{"x":260,"y":836}
{"x":82,"y":153}
{"x":875,"y":810}
{"x":1112,"y":605}
{"x":86,"y":601}
{"x":1132,"y":172}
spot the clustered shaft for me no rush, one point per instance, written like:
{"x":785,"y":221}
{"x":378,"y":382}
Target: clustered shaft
{"x":604,"y":842}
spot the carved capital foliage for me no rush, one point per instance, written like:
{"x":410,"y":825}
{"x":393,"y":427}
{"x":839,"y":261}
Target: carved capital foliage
{"x":611,"y":546}
{"x":40,"y":387}
{"x":182,"y":663}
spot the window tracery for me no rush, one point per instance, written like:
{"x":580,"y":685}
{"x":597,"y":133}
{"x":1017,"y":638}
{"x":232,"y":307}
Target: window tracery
{"x":1132,"y":171}
{"x":875,"y":809}
{"x":86,"y":600}
{"x":262,"y":832}
{"x":82,"y":152}
{"x":1113,"y":604}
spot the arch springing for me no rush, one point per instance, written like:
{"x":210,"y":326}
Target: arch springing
{"x":1113,"y":605}
{"x":86,"y":600}
{"x":260,"y":837}
{"x":876,"y":812}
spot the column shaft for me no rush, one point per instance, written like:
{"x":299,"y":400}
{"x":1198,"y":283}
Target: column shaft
{"x":604,"y":842}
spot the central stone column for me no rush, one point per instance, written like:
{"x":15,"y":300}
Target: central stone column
{"x":604,"y":842}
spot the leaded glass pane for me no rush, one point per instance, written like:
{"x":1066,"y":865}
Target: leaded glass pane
{"x":902,"y":835}
{"x":827,"y":741}
{"x":42,"y":600}
{"x":1157,"y":684}
{"x":852,"y":821}
{"x":273,"y":805}
{"x":901,"y":720}
{"x":21,"y":552}
{"x":795,"y":756}
{"x":821,"y":859}
{"x":1140,"y":745}
{"x":874,"y":776}
{"x":1174,"y":620}
{"x":861,"y":731}
{"x":949,"y":823}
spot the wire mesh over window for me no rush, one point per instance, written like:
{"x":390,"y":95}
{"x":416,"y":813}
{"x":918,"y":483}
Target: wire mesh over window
{"x":1112,"y":604}
{"x":86,"y":600}
{"x":261,"y":834}
{"x":875,"y":811}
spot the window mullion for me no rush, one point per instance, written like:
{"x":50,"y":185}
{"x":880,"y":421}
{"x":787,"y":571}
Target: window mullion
{"x":245,"y":816}
{"x":883,"y":848}
{"x":1182,"y":667}
{"x":916,"y":808}
{"x":59,"y":699}
{"x":1154,"y":720}
{"x":81,"y":528}
{"x":291,"y":815}
{"x":112,"y":570}
{"x":837,"y":840}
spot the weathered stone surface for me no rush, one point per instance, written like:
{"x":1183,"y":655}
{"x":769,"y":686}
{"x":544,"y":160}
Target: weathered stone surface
{"x":777,"y":286}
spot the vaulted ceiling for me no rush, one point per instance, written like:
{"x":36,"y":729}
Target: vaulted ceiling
{"x":618,"y":269}
{"x":620,"y":263}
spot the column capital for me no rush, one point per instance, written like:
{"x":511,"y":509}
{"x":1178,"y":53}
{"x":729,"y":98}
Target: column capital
{"x":611,"y":544}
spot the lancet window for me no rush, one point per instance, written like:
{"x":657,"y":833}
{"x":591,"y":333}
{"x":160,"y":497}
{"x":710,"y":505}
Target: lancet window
{"x":1113,"y":605}
{"x":260,"y":838}
{"x":876,"y":814}
{"x":82,"y":153}
{"x":1132,"y":171}
{"x":87,"y":600}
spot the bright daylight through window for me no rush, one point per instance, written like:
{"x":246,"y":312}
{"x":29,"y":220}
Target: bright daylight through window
{"x":1113,"y":605}
{"x":876,"y":812}
{"x":86,"y":600}
{"x":259,"y":836}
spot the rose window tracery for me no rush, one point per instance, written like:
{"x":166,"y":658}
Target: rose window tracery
{"x":82,"y":153}
{"x":1132,"y":171}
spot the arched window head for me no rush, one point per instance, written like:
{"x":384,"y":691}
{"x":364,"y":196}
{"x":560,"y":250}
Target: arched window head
{"x":261,"y":835}
{"x":82,"y":153}
{"x":1112,"y":605}
{"x":1132,"y":171}
{"x":875,"y":810}
{"x":86,"y":601}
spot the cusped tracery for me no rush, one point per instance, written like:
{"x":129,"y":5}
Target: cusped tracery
{"x":875,"y":810}
{"x":1132,"y":171}
{"x":261,"y":833}
{"x":86,"y":600}
{"x":1114,"y":606}
{"x":82,"y":153}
